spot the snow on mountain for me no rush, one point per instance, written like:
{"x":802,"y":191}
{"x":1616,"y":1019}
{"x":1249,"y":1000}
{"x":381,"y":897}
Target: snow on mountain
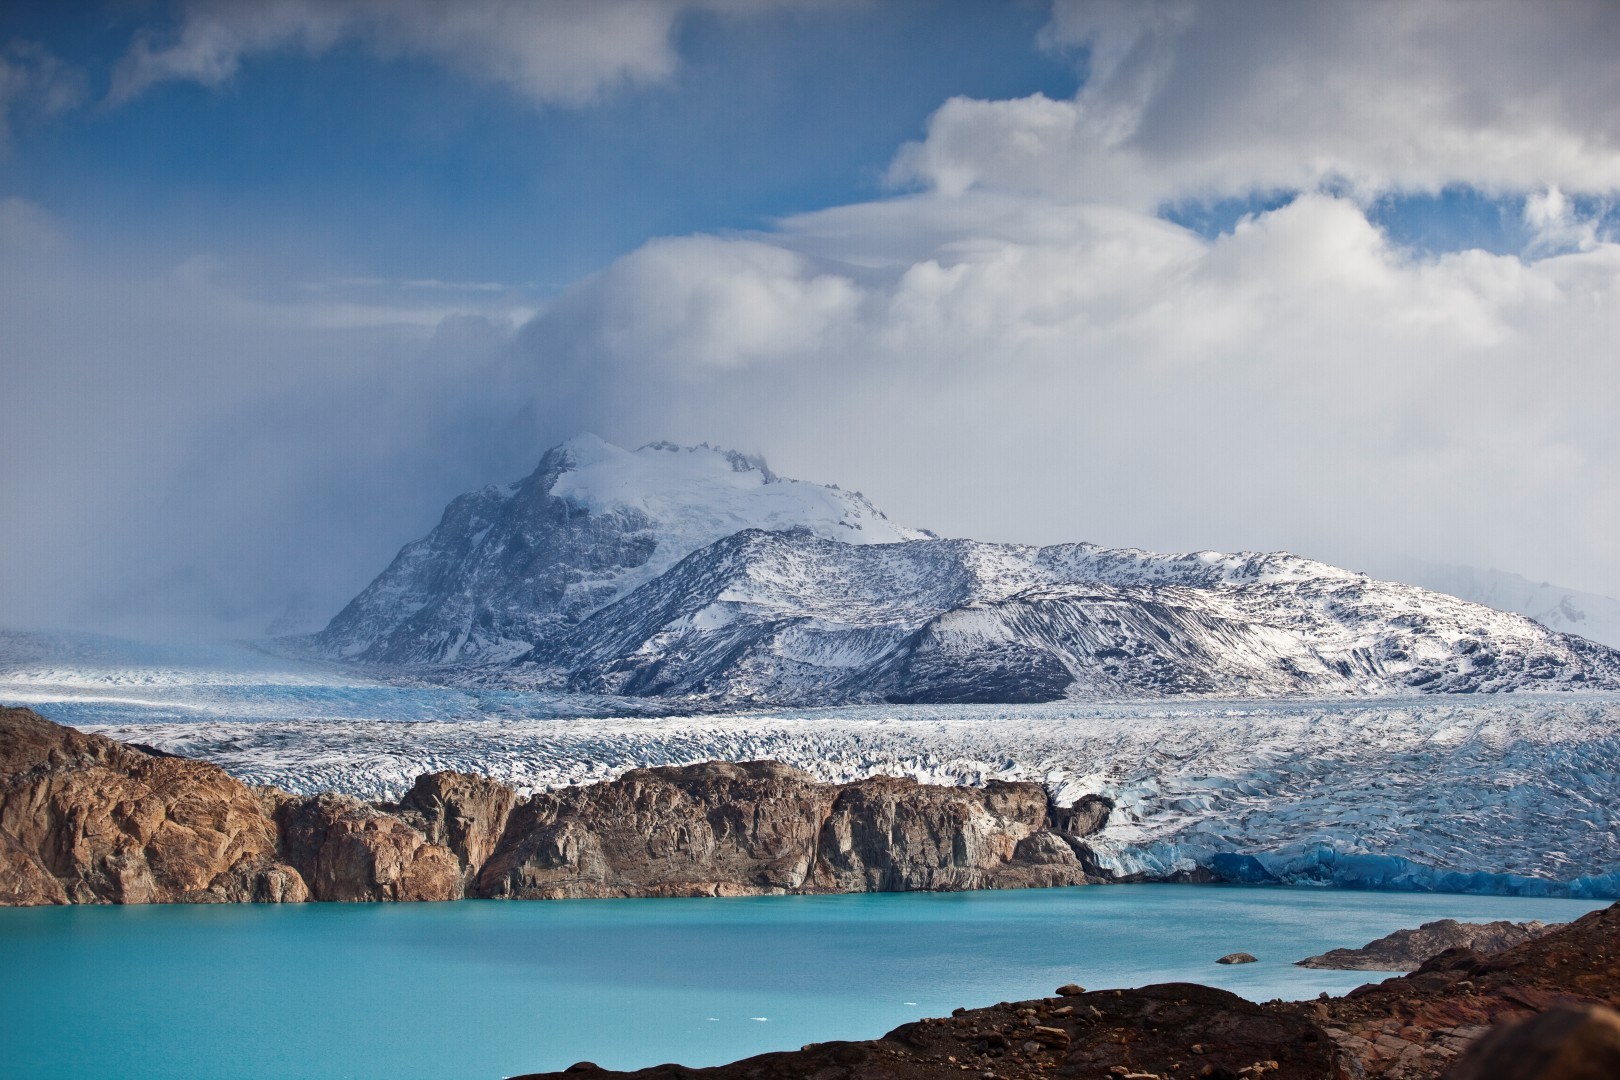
{"x":791,"y":618}
{"x":509,"y":568}
{"x":697,"y":574}
{"x":1570,"y":611}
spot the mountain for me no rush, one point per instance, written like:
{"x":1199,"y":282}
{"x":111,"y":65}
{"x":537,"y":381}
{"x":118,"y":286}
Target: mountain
{"x":792,"y":618}
{"x":1558,"y":608}
{"x":512,"y":568}
{"x":696,"y":573}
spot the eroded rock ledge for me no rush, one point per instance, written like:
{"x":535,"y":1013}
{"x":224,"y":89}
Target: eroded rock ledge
{"x":86,"y":819}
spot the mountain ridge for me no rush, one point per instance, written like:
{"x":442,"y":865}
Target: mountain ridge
{"x":696,"y":573}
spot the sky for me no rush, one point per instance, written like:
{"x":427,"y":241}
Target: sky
{"x":278,"y":280}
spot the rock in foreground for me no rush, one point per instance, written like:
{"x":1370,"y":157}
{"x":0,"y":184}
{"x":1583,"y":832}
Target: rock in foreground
{"x":1414,"y":1027}
{"x":1407,"y":950}
{"x":85,"y":819}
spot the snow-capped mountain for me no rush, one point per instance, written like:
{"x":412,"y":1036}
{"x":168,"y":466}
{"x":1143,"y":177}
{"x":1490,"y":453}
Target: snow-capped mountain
{"x":791,"y":618}
{"x":515,"y":567}
{"x":1553,"y":606}
{"x":696,"y":573}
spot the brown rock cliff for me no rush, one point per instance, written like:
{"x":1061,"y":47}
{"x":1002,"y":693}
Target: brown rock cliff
{"x":87,"y":819}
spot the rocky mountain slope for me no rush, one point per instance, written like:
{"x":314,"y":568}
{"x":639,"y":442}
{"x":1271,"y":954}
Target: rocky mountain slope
{"x":85,"y":819}
{"x":1551,"y":1002}
{"x":697,"y":576}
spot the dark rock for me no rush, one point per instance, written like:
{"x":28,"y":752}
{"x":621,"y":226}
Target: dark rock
{"x":351,"y":851}
{"x":1238,"y":958}
{"x":723,"y":829}
{"x":1559,"y":1044}
{"x":1407,"y":950}
{"x":464,"y":813}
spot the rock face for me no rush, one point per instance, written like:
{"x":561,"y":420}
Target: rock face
{"x":1416,"y":1027}
{"x":722,"y":829}
{"x":350,"y":850}
{"x":1407,"y":950}
{"x":85,"y":819}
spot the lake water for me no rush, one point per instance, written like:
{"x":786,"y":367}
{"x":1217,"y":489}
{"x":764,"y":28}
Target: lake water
{"x":484,"y":989}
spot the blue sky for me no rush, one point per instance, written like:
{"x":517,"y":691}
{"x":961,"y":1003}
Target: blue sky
{"x":347,"y":164}
{"x":278,"y":279}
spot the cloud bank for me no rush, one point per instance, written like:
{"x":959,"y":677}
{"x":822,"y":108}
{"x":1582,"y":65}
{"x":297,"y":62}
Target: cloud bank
{"x":1026,"y":371}
{"x":1202,"y":100}
{"x":1018,"y":348}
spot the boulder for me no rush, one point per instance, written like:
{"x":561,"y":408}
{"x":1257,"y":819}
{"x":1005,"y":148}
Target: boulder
{"x":1563,"y":1043}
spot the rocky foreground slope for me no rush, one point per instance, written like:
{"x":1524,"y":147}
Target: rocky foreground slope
{"x":86,"y":819}
{"x":696,"y":577}
{"x":1416,"y":1027}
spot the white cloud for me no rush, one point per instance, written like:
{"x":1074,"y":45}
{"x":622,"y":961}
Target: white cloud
{"x":1023,"y":369}
{"x":697,"y":304}
{"x":1555,"y":225}
{"x":35,"y":85}
{"x":1200,"y":100}
{"x":552,"y":52}
{"x":1022,"y":351}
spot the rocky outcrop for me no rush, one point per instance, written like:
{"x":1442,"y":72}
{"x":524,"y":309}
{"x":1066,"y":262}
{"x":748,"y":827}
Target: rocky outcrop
{"x":466,"y":814}
{"x":723,"y":829}
{"x":1415,"y":1027}
{"x":1406,"y":950}
{"x":87,"y":819}
{"x":84,"y":819}
{"x":349,"y":850}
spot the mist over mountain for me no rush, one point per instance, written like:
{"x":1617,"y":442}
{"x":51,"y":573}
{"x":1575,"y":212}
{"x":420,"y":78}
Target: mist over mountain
{"x":1554,"y":606}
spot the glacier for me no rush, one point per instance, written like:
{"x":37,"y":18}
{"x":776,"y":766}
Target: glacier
{"x":1510,"y":794}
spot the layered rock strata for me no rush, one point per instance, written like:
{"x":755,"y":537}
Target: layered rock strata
{"x":1421,"y":1026}
{"x":85,"y":819}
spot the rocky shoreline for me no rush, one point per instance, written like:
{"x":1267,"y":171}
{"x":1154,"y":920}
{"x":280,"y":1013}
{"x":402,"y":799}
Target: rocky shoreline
{"x":1547,"y":1004}
{"x":86,"y":819}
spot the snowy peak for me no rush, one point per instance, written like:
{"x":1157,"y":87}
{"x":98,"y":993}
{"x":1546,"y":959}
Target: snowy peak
{"x":512,"y":568}
{"x":697,"y":494}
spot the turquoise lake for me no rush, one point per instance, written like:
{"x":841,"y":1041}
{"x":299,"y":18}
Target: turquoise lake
{"x":485,"y":989}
